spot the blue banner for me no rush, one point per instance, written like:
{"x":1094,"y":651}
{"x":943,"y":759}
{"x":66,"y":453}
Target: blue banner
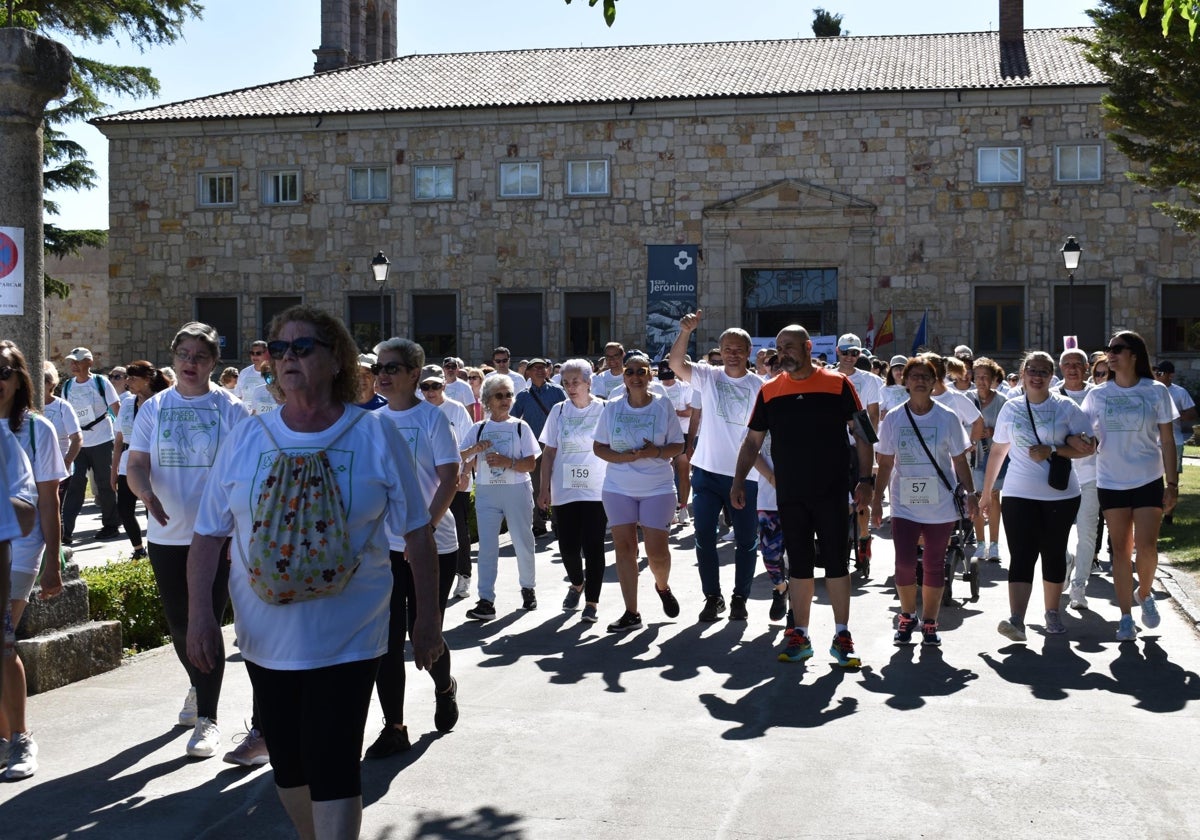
{"x":672,"y":280}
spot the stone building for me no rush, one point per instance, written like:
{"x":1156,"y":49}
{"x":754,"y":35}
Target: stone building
{"x":519,"y":194}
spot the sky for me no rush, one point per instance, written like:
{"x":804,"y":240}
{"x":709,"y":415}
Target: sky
{"x":242,"y":43}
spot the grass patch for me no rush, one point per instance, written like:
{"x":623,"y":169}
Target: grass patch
{"x":1181,"y":540}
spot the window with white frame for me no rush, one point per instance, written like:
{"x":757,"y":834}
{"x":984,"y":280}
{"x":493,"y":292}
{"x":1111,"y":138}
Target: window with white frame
{"x":433,"y":182}
{"x":587,"y":177}
{"x":369,"y":183}
{"x":520,"y":180}
{"x":1000,"y":165}
{"x":1077,"y":163}
{"x":218,"y":189}
{"x":281,"y":186}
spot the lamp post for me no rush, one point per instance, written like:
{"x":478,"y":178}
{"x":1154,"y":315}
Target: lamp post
{"x":1070,"y":254}
{"x":379,"y":267}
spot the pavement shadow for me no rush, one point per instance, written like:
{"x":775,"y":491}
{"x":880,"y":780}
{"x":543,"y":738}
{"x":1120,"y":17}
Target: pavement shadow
{"x":484,"y":823}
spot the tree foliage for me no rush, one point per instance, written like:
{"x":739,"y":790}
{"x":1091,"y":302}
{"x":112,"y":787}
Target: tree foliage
{"x":610,"y":9}
{"x":141,"y":23}
{"x":1154,"y":98}
{"x":1188,"y":10}
{"x":827,"y":24}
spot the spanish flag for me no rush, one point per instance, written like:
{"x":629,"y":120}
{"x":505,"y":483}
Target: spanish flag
{"x":887,"y":332}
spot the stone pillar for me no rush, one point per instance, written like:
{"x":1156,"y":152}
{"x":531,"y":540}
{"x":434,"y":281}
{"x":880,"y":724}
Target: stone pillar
{"x":33,"y":71}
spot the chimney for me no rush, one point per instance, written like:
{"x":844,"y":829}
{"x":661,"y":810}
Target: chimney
{"x":1012,"y":21}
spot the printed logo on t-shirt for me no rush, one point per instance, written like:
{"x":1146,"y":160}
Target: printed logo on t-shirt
{"x":734,"y":403}
{"x":188,"y":437}
{"x":1124,"y":414}
{"x":1023,"y":434}
{"x":631,"y":431}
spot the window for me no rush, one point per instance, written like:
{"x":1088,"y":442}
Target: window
{"x":589,"y":323}
{"x":221,"y":313}
{"x":217,"y":189}
{"x":1181,"y":327}
{"x":1077,"y":163}
{"x":1000,"y":165}
{"x":520,"y":180}
{"x":1081,"y":312}
{"x":433,"y":182}
{"x":269,"y":307}
{"x":369,"y":183}
{"x":369,"y":318}
{"x":999,"y":319}
{"x":281,"y":187}
{"x":774,"y":298}
{"x":587,"y":177}
{"x":435,"y":324}
{"x":519,"y":319}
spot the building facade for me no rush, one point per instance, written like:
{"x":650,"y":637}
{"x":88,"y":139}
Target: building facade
{"x":824,"y":181}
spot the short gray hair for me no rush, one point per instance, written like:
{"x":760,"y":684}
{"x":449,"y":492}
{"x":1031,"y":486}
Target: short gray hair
{"x":580,"y":366}
{"x":493,"y":383}
{"x":202,"y":333}
{"x":412,"y":355}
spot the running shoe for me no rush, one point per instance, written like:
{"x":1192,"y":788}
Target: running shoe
{"x":905,"y":627}
{"x":737,"y":608}
{"x":1054,"y":625}
{"x":1150,"y":616}
{"x":463,"y":589}
{"x":528,"y":598}
{"x":670,"y":604}
{"x":683,"y":515}
{"x":1078,"y":597}
{"x":589,"y":614}
{"x":205,"y":740}
{"x":796,"y":647}
{"x":714,"y":605}
{"x":981,"y":551}
{"x":1126,"y":631}
{"x":251,"y":749}
{"x":993,"y":552}
{"x":22,"y":756}
{"x":572,"y":600}
{"x":629,"y":621}
{"x":1012,"y":629}
{"x":390,"y":741}
{"x":779,"y":604}
{"x":484,"y":610}
{"x":929,"y":634}
{"x":842,"y":650}
{"x":187,"y":715}
{"x":445,"y":707}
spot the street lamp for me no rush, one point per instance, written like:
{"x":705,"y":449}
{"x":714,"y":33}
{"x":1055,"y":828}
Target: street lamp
{"x":1070,"y":254}
{"x":379,"y":267}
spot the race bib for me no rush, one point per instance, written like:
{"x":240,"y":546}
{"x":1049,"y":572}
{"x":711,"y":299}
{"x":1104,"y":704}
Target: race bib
{"x":85,"y":415}
{"x":918,"y":491}
{"x":580,"y":477}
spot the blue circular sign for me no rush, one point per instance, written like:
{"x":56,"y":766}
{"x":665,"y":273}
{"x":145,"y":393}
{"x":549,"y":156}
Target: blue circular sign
{"x":8,"y":255}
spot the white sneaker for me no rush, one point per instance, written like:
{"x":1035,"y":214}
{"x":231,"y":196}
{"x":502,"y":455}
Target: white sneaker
{"x":22,"y":756}
{"x":251,"y":752}
{"x":994,"y":552}
{"x":683,"y":515}
{"x":187,"y":715}
{"x":1150,"y":616}
{"x":981,"y":551}
{"x":463,"y":589}
{"x":675,"y":517}
{"x":1078,"y":598}
{"x":205,"y":740}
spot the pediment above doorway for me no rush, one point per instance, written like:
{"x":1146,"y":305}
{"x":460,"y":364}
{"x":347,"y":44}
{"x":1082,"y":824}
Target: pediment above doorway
{"x":791,"y":198}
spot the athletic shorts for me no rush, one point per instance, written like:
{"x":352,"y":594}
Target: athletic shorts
{"x":1149,"y":495}
{"x":651,"y":512}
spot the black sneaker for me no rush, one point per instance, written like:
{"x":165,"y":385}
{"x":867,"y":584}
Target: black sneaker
{"x":390,"y":741}
{"x":905,"y":626}
{"x":139,"y":553}
{"x":572,"y":600}
{"x":929,"y":634}
{"x":627,"y":622}
{"x":737,"y":608}
{"x":539,"y":530}
{"x":670,"y":604}
{"x":445,"y":709}
{"x":108,"y":533}
{"x":714,"y":605}
{"x":779,"y":604}
{"x":68,"y":540}
{"x":528,"y":599}
{"x":483,"y":610}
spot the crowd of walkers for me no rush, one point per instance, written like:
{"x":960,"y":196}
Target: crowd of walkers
{"x":326,"y":495}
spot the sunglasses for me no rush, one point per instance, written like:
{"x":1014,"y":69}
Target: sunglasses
{"x":300,"y":348}
{"x":474,"y":378}
{"x":1100,"y":374}
{"x":6,"y":372}
{"x":503,"y":361}
{"x":849,"y":351}
{"x":390,"y":368}
{"x":637,"y":371}
{"x":116,"y":377}
{"x":258,"y":352}
{"x":1114,"y":349}
{"x":431,"y":386}
{"x":502,"y":395}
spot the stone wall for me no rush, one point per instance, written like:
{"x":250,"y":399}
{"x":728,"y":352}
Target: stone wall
{"x":881,"y":186}
{"x":82,"y":319}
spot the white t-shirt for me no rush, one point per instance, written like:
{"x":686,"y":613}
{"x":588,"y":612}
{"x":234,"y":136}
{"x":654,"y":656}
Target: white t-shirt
{"x":1183,"y":401}
{"x":727,"y":405}
{"x":18,"y":479}
{"x":768,"y":499}
{"x":460,"y":424}
{"x":868,"y":386}
{"x":655,"y":387}
{"x":1126,"y":421}
{"x":252,"y":389}
{"x":376,"y":480}
{"x":65,"y":422}
{"x":680,"y":395}
{"x":518,"y":382}
{"x":1085,"y":468}
{"x":458,"y":391}
{"x":1057,"y":417}
{"x":39,"y":442}
{"x":892,"y":396}
{"x":624,"y":427}
{"x":125,"y":427}
{"x":512,"y":438}
{"x":604,"y":381}
{"x":960,"y":404}
{"x":89,"y":405}
{"x":578,"y":474}
{"x":916,"y":491}
{"x":182,"y":435}
{"x":432,"y":444}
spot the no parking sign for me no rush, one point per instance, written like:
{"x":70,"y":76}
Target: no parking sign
{"x":12,"y":271}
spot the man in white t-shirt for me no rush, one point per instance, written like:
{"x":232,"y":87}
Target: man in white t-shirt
{"x":869,"y":390}
{"x":251,"y":386}
{"x":456,"y":389}
{"x":613,"y":373}
{"x":95,"y":403}
{"x":728,"y":393}
{"x":1164,"y":372}
{"x":501,"y":360}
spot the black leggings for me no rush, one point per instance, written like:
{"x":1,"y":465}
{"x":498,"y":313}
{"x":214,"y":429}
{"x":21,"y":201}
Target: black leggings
{"x":170,"y":573}
{"x":1035,"y":528}
{"x":314,"y":722}
{"x":460,"y":507}
{"x":390,"y":680}
{"x":126,"y":509}
{"x":581,"y":530}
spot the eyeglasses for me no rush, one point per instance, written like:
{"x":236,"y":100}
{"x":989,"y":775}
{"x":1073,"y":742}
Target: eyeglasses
{"x":474,"y":378}
{"x":259,"y":352}
{"x":1040,"y":373}
{"x":192,"y":358}
{"x":849,"y":351}
{"x":637,"y":371}
{"x":390,"y":368}
{"x":301,"y":347}
{"x":1114,"y":349}
{"x":502,"y":361}
{"x":502,"y":395}
{"x":6,"y":372}
{"x":431,"y":386}
{"x":450,"y":365}
{"x":116,"y":377}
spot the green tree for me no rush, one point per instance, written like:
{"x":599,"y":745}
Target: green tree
{"x":142,"y":23}
{"x":1154,"y":99}
{"x":1189,"y":10}
{"x":826,"y":24}
{"x":610,"y":9}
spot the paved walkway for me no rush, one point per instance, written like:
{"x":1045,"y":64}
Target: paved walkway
{"x":685,"y":730}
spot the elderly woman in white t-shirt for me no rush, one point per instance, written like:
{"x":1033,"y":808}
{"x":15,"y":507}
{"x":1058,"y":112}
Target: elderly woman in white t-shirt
{"x":638,"y":435}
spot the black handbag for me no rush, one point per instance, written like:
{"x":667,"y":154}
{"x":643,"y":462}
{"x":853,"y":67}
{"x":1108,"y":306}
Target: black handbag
{"x":1060,"y":467}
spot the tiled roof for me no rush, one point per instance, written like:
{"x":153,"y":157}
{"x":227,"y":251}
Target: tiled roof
{"x":655,"y":73}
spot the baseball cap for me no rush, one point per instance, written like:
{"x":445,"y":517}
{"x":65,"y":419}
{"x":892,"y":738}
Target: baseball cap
{"x":79,"y":354}
{"x":898,"y":361}
{"x":431,"y":373}
{"x":365,"y":360}
{"x":849,"y":342}
{"x":1165,"y":366}
{"x":533,"y":362}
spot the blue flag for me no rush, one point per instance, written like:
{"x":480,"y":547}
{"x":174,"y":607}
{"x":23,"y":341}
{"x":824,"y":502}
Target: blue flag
{"x":922,"y":336}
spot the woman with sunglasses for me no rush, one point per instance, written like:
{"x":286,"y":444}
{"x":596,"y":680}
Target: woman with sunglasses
{"x":399,"y":372}
{"x":1133,"y":417}
{"x":1099,"y":367}
{"x":503,"y":452}
{"x":175,"y":440}
{"x":638,"y":435}
{"x":144,"y":383}
{"x":475,"y":380}
{"x":38,"y":550}
{"x":1031,"y":428}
